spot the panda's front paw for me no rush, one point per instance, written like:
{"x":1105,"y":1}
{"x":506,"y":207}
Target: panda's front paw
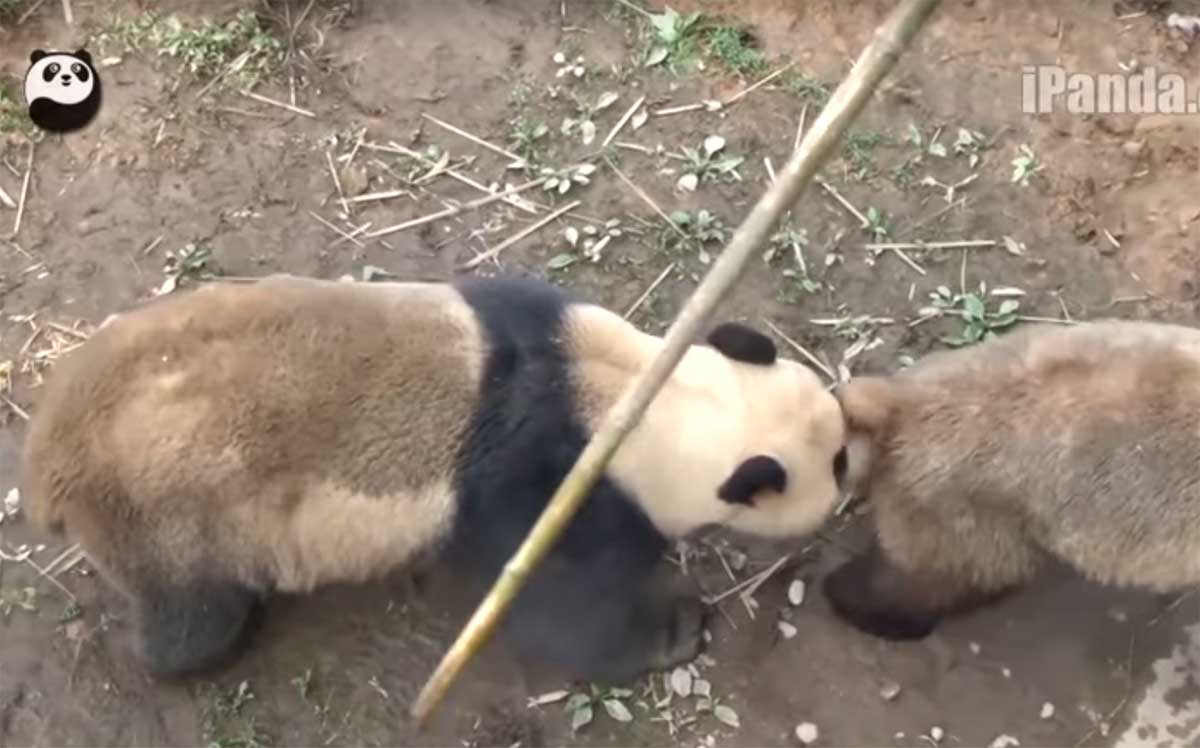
{"x":683,"y":639}
{"x":854,"y":592}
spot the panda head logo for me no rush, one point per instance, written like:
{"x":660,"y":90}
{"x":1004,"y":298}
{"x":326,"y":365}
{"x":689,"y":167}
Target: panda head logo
{"x":62,"y":90}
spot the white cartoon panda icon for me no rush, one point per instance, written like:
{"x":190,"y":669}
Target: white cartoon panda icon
{"x":62,"y":90}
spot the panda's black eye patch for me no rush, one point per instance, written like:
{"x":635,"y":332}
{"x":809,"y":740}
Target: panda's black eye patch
{"x":81,"y":72}
{"x":51,"y":71}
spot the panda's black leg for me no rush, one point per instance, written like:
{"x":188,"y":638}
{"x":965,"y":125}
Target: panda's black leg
{"x":683,"y":637}
{"x":605,"y":630}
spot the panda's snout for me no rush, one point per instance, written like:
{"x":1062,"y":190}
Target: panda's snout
{"x":66,"y":79}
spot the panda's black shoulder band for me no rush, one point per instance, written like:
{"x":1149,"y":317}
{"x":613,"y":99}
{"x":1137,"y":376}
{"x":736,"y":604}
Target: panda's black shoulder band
{"x":741,"y":343}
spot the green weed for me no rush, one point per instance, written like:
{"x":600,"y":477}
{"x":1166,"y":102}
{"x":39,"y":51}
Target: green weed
{"x":11,"y":10}
{"x":242,"y":48}
{"x":14,"y":116}
{"x":978,"y":322}
{"x":734,"y":49}
{"x":675,"y":39}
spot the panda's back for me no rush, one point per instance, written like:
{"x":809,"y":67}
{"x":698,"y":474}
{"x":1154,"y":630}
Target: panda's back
{"x":528,"y":431}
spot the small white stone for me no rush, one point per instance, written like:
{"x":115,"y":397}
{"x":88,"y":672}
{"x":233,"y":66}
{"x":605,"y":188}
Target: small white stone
{"x":1004,"y":741}
{"x":890,"y":690}
{"x":975,"y":648}
{"x":1047,"y":710}
{"x":807,"y":733}
{"x":937,"y":733}
{"x":1006,"y":672}
{"x":796,"y":592}
{"x":786,"y":629}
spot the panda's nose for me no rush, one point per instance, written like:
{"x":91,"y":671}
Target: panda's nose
{"x":66,"y":79}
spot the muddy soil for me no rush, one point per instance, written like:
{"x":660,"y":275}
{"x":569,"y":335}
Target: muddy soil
{"x":1106,"y":226}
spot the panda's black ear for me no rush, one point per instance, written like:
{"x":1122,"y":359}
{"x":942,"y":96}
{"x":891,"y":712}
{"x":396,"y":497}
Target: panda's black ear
{"x":84,"y":55}
{"x":753,"y":475}
{"x":36,"y":55}
{"x":741,"y":343}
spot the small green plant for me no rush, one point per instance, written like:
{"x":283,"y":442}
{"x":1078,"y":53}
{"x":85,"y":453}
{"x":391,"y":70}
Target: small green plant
{"x":675,"y":38}
{"x":806,"y":88}
{"x":859,"y":151}
{"x":794,"y":241}
{"x":226,"y":707}
{"x":14,"y":116}
{"x":587,"y":110}
{"x":733,"y":48}
{"x":525,"y":137}
{"x":193,"y":262}
{"x":706,"y":164}
{"x":592,"y":240}
{"x":11,"y":10}
{"x":697,"y":230}
{"x":582,"y":706}
{"x":562,"y":180}
{"x":12,"y":598}
{"x":877,"y":223}
{"x":70,"y":612}
{"x":971,"y":144}
{"x":1025,"y":165}
{"x":241,"y":49}
{"x":978,"y":322}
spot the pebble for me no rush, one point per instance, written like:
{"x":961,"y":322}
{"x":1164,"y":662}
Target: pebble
{"x":1047,"y":710}
{"x":807,"y":733}
{"x":796,"y":592}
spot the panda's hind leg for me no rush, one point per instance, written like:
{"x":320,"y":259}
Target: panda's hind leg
{"x":926,"y":565}
{"x":198,"y":627}
{"x":605,"y":628}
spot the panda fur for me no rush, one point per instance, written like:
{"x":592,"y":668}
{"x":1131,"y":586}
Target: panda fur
{"x":62,"y":90}
{"x":216,"y":446}
{"x":1077,"y":443}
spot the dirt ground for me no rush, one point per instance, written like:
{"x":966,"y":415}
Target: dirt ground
{"x":1106,"y":226}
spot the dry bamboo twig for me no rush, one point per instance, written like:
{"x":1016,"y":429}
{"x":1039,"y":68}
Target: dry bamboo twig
{"x":800,"y":127}
{"x":373,"y":196}
{"x":393,"y":147}
{"x":474,"y":139}
{"x":749,"y":585}
{"x":645,"y":198}
{"x":496,"y":250}
{"x":677,"y":110}
{"x":331,"y":227}
{"x":801,"y":350}
{"x":337,"y":182}
{"x":621,"y":122}
{"x":280,"y":104}
{"x":448,"y":212}
{"x":29,"y":12}
{"x":751,"y":89}
{"x":826,"y":133}
{"x":24,"y":193}
{"x":845,"y":203}
{"x":646,"y":294}
{"x":15,"y":408}
{"x":964,"y":244}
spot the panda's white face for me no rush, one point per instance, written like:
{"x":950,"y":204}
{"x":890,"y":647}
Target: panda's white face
{"x":62,"y":78}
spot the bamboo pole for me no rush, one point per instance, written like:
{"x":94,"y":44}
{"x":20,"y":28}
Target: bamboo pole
{"x":889,"y":41}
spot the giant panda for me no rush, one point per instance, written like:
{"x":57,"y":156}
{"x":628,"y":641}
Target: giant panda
{"x":219,"y":445}
{"x":1078,"y":443}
